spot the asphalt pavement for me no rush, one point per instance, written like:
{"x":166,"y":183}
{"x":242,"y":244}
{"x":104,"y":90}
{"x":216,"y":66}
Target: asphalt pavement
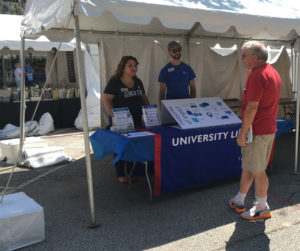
{"x":193,"y":219}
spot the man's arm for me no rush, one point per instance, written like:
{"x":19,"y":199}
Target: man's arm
{"x":162,"y":91}
{"x":248,"y":117}
{"x":192,"y":88}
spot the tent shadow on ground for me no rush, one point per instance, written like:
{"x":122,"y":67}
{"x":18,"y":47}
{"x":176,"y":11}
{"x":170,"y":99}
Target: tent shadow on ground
{"x":130,"y":221}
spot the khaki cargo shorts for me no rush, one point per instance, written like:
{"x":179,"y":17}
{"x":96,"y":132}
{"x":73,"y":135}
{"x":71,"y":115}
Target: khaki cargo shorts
{"x":255,"y":155}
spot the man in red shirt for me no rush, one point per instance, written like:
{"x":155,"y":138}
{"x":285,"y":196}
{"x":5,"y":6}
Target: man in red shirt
{"x":259,"y":112}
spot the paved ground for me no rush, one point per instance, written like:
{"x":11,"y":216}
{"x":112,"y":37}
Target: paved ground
{"x":194,"y":219}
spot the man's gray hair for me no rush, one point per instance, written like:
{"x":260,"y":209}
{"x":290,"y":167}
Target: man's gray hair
{"x":256,"y":48}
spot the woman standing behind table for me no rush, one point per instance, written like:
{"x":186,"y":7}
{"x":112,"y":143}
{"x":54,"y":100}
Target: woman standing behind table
{"x":124,"y":89}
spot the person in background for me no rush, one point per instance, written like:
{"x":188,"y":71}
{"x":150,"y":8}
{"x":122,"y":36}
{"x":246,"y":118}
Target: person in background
{"x":176,"y":78}
{"x":124,"y":89}
{"x":29,"y":71}
{"x":259,"y":110}
{"x":18,"y":75}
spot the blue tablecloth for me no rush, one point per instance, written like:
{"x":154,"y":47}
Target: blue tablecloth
{"x":188,"y":158}
{"x":128,"y":149}
{"x":183,"y":158}
{"x":195,"y":157}
{"x":283,"y":126}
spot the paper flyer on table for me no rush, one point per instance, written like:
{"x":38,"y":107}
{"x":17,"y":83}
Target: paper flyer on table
{"x":122,"y":119}
{"x":199,"y":112}
{"x":136,"y":134}
{"x":150,"y":116}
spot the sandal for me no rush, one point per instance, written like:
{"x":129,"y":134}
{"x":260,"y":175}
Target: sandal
{"x":126,"y":180}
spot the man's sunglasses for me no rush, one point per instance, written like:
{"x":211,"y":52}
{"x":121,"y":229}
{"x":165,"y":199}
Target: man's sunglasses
{"x":176,"y":50}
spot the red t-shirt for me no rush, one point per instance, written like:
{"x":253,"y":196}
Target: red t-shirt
{"x":263,"y":85}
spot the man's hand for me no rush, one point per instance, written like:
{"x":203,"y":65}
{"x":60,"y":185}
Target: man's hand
{"x":248,"y":119}
{"x":241,"y":140}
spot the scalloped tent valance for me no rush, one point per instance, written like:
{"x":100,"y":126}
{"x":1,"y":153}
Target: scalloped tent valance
{"x":137,"y":17}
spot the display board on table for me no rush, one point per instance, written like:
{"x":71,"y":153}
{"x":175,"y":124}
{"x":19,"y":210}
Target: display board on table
{"x":151,"y":116}
{"x":122,"y":120}
{"x":197,"y":112}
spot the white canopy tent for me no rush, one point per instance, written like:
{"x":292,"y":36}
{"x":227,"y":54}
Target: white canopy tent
{"x":10,"y":37}
{"x":10,"y":41}
{"x":143,"y":30}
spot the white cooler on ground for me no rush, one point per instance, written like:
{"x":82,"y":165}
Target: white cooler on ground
{"x":21,"y":222}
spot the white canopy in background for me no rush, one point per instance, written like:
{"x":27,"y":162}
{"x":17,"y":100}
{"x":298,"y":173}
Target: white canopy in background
{"x":143,"y":29}
{"x":10,"y":37}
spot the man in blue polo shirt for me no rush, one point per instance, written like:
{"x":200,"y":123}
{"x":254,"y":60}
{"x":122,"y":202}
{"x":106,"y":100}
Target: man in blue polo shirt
{"x":176,"y":78}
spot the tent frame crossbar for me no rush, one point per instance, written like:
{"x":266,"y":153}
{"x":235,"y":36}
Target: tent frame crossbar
{"x":189,"y":35}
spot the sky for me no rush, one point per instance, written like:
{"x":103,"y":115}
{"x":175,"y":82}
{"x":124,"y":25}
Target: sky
{"x":272,"y":8}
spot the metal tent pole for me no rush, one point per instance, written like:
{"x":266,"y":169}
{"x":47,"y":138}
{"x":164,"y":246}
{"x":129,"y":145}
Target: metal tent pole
{"x":85,"y":121}
{"x":22,"y":102}
{"x":296,"y":74}
{"x":22,"y":118}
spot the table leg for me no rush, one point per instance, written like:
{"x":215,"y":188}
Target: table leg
{"x":148,"y":180}
{"x":129,"y":175}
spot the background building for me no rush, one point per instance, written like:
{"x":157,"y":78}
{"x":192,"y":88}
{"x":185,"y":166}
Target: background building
{"x":12,"y":7}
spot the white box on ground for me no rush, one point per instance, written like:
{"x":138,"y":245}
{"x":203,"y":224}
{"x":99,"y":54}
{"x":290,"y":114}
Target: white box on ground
{"x":21,"y":222}
{"x":9,"y":148}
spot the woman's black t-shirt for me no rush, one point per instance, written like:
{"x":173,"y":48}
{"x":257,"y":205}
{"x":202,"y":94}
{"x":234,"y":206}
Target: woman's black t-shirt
{"x":127,"y":97}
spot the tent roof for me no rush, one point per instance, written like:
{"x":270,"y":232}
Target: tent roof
{"x":137,"y":17}
{"x":10,"y":37}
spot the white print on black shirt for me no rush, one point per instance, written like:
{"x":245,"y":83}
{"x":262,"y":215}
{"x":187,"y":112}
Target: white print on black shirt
{"x":128,"y":94}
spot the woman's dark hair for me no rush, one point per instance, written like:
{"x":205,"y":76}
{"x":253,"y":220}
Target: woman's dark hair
{"x":119,"y":72}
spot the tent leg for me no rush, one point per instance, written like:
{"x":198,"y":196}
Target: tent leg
{"x":297,"y":114}
{"x":22,"y":119}
{"x":22,"y":103}
{"x":297,"y":132}
{"x":85,"y":123}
